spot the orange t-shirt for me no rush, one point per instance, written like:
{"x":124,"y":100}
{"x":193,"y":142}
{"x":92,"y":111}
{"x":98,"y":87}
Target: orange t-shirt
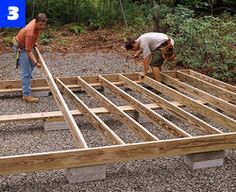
{"x":28,"y":36}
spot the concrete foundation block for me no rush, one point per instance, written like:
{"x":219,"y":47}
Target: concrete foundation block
{"x":204,"y":160}
{"x":84,"y":174}
{"x":40,"y":93}
{"x":141,"y":118}
{"x":55,"y":125}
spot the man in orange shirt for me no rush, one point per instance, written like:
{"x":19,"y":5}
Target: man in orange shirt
{"x":26,"y":40}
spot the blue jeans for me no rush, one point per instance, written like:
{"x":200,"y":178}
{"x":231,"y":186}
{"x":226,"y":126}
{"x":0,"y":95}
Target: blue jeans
{"x":26,"y":68}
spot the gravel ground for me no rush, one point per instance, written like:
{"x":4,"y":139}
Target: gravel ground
{"x":160,"y":174}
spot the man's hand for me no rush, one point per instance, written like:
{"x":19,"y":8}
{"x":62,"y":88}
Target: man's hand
{"x":142,"y":75}
{"x":38,"y":65}
{"x":136,"y":55}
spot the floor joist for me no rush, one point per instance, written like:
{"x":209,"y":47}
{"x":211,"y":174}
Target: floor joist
{"x":93,"y":118}
{"x":123,"y":117}
{"x":199,"y":94}
{"x":169,"y":106}
{"x":155,"y":117}
{"x":216,"y":90}
{"x":76,"y":133}
{"x":211,"y":80}
{"x":192,"y":104}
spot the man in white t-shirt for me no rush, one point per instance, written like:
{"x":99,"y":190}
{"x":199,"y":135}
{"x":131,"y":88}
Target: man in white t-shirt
{"x":156,"y":48}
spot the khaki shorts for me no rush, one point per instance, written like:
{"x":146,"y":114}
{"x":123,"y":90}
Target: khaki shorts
{"x":157,"y":59}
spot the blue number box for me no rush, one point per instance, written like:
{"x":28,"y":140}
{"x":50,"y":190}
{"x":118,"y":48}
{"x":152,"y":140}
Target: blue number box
{"x":12,"y":13}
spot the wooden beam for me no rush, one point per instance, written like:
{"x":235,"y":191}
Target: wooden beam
{"x":213,"y":81}
{"x":122,"y":116}
{"x":114,"y":154}
{"x":208,"y":87}
{"x":57,"y":114}
{"x":76,"y":133}
{"x":199,"y":94}
{"x":192,"y":104}
{"x":91,"y":116}
{"x":12,"y":86}
{"x":38,"y":84}
{"x":171,"y":107}
{"x":155,"y":117}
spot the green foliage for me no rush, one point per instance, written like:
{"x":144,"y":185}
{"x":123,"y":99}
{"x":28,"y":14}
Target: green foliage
{"x":7,"y":36}
{"x":171,"y":21}
{"x":205,"y":44}
{"x":46,"y":37}
{"x":7,"y":40}
{"x":75,"y":28}
{"x":63,"y":42}
{"x":138,"y":16}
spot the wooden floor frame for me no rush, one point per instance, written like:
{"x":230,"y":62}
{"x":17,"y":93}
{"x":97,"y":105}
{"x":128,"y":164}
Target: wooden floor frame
{"x":196,"y":91}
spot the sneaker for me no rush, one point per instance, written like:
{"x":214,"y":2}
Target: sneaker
{"x":31,"y":99}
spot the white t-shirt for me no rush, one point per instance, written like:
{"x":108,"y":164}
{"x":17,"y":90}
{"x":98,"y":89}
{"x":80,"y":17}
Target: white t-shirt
{"x":149,"y":42}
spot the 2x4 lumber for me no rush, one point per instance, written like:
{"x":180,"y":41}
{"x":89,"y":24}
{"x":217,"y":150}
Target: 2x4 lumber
{"x":58,"y":115}
{"x":208,"y":87}
{"x":46,"y":88}
{"x":197,"y":93}
{"x":70,"y":80}
{"x":192,"y":104}
{"x":140,"y":107}
{"x":91,"y":116}
{"x":115,"y":153}
{"x":10,"y":86}
{"x":169,"y":106}
{"x":76,"y":133}
{"x":119,"y":114}
{"x":213,"y":81}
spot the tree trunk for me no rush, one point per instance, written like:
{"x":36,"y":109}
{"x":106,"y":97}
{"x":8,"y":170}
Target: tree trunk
{"x":211,"y":4}
{"x":77,"y":11}
{"x":33,"y":9}
{"x":123,"y":13}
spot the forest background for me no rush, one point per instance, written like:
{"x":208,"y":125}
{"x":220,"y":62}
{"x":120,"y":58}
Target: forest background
{"x":204,"y":31}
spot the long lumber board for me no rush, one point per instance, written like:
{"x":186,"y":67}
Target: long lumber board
{"x":114,"y":154}
{"x":70,"y":121}
{"x":58,"y":114}
{"x":12,"y":86}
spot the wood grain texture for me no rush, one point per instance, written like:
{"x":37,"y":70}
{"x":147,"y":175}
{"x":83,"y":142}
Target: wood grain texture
{"x":155,"y":117}
{"x":70,"y":121}
{"x":170,"y":106}
{"x":192,"y":104}
{"x":91,"y":116}
{"x":114,"y":154}
{"x":212,"y":81}
{"x":57,"y":115}
{"x":229,"y":108}
{"x":122,"y":116}
{"x":208,"y":87}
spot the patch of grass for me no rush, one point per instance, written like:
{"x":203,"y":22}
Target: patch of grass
{"x":75,"y":28}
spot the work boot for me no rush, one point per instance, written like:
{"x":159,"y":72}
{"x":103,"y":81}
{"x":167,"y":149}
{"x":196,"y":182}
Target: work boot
{"x":31,"y":99}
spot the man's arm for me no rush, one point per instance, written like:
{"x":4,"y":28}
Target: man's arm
{"x":146,"y":62}
{"x":33,"y":59}
{"x":29,"y":46}
{"x":137,"y":53}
